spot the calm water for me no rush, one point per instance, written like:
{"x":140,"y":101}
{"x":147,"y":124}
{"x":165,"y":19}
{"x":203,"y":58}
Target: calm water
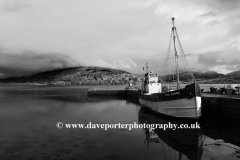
{"x":28,"y":117}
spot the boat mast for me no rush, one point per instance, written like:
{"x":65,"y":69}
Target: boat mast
{"x":147,"y":67}
{"x":176,"y":55}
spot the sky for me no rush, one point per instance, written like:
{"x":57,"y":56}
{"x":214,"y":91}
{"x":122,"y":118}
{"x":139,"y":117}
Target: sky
{"x":39,"y":35}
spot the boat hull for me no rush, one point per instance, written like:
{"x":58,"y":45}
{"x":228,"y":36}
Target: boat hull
{"x":183,"y":103}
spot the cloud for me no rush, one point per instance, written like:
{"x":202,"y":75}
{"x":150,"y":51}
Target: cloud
{"x":2,"y":74}
{"x":29,"y":62}
{"x":222,"y":61}
{"x":118,"y":64}
{"x":132,"y":62}
{"x":122,"y":33}
{"x":227,"y":5}
{"x":208,"y":14}
{"x":14,"y":6}
{"x":103,"y":63}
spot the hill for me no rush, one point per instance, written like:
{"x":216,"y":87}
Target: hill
{"x":87,"y":75}
{"x":232,"y":77}
{"x":209,"y":77}
{"x":184,"y":76}
{"x":76,"y":75}
{"x":232,"y":74}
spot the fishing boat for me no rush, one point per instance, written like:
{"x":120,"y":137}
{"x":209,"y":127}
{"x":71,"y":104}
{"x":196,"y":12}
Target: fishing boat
{"x":182,"y":102}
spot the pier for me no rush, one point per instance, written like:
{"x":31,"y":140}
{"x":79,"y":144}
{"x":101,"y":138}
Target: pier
{"x":213,"y":105}
{"x":108,"y":92}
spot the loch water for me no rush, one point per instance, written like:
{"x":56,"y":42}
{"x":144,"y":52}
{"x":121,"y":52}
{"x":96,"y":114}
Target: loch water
{"x":28,"y":130}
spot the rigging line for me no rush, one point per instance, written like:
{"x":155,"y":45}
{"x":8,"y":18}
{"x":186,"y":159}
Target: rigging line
{"x":183,"y":60}
{"x":175,"y":66}
{"x":168,"y":53}
{"x":176,"y":55}
{"x":184,"y":56}
{"x":170,"y":73}
{"x":184,"y":63}
{"x":169,"y":77}
{"x":173,"y":72}
{"x":181,"y":50}
{"x":180,"y":46}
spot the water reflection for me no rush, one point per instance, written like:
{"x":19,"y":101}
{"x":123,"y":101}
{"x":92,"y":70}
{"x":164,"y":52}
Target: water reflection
{"x":28,"y":117}
{"x":222,"y":129}
{"x":189,"y":144}
{"x":174,"y":143}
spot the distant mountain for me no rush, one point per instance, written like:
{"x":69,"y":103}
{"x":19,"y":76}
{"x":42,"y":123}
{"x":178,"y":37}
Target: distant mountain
{"x":208,"y":77}
{"x":98,"y":75}
{"x":185,"y":76}
{"x":8,"y":72}
{"x":76,"y":75}
{"x":232,"y":74}
{"x":232,"y":77}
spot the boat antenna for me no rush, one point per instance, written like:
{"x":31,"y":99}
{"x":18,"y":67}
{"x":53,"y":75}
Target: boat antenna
{"x":147,"y":67}
{"x":176,"y":55}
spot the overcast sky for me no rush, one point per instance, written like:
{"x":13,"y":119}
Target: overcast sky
{"x":38,"y":35}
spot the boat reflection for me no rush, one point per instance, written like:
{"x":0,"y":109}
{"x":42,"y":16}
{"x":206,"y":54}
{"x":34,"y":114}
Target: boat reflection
{"x":176,"y":144}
